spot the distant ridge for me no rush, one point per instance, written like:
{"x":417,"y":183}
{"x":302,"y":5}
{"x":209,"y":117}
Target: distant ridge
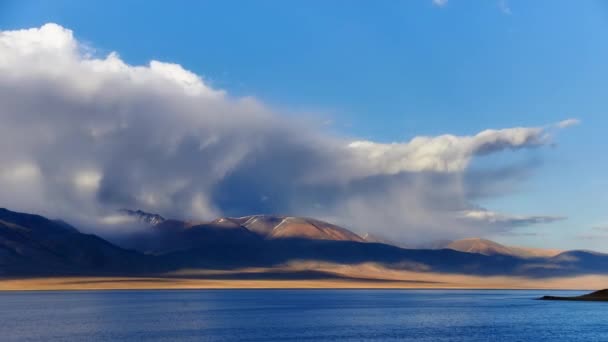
{"x":487,"y":247}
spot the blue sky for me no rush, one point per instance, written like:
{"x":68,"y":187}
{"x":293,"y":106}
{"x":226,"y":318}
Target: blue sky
{"x":392,"y":71}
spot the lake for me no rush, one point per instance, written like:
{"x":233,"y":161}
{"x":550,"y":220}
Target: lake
{"x":297,"y":315}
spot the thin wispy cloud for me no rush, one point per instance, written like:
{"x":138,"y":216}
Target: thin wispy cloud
{"x":440,"y":3}
{"x":504,"y":7}
{"x":568,"y":123}
{"x":507,"y":220}
{"x":599,"y":232}
{"x":598,"y":237}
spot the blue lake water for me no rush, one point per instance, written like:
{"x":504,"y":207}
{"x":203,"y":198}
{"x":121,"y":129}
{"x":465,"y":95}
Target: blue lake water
{"x":297,"y":315}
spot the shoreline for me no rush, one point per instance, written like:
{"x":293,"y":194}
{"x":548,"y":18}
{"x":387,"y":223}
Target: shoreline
{"x":597,"y":296}
{"x":83,"y":283}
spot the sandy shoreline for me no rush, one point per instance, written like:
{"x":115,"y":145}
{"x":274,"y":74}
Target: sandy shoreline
{"x":164,"y":283}
{"x":301,"y":275}
{"x":113,"y":283}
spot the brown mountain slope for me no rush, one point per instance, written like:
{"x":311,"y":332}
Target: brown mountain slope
{"x":487,"y":247}
{"x":278,"y":227}
{"x":266,"y":226}
{"x":174,"y":235}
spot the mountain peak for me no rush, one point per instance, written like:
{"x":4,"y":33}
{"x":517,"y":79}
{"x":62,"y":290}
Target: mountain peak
{"x":281,"y":226}
{"x":142,"y":216}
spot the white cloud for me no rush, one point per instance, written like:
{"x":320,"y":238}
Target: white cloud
{"x":87,"y":180}
{"x":100,"y":135}
{"x":568,"y":123}
{"x":440,"y":3}
{"x":506,"y":220}
{"x":22,"y":173}
{"x":444,"y":153}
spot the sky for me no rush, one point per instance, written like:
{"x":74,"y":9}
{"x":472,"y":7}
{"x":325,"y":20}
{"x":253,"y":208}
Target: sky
{"x":414,"y":120}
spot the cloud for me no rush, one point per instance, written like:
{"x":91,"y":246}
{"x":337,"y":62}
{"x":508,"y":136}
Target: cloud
{"x":445,"y":153}
{"x":506,"y":220}
{"x":83,"y":136}
{"x":504,"y":7}
{"x":596,"y":237}
{"x":440,"y":3}
{"x":599,"y":232}
{"x":601,"y":228}
{"x":520,"y":234}
{"x":568,"y":123}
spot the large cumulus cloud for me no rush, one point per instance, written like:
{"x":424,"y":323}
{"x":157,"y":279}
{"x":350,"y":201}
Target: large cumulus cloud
{"x":83,"y":135}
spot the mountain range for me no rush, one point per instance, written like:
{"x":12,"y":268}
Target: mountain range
{"x":487,"y":247}
{"x":32,"y":245}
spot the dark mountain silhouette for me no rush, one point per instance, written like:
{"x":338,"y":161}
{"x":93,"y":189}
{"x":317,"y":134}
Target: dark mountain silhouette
{"x":172,"y":235}
{"x":143,"y":216}
{"x":581,"y":261}
{"x":34,"y":245}
{"x":597,"y":296}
